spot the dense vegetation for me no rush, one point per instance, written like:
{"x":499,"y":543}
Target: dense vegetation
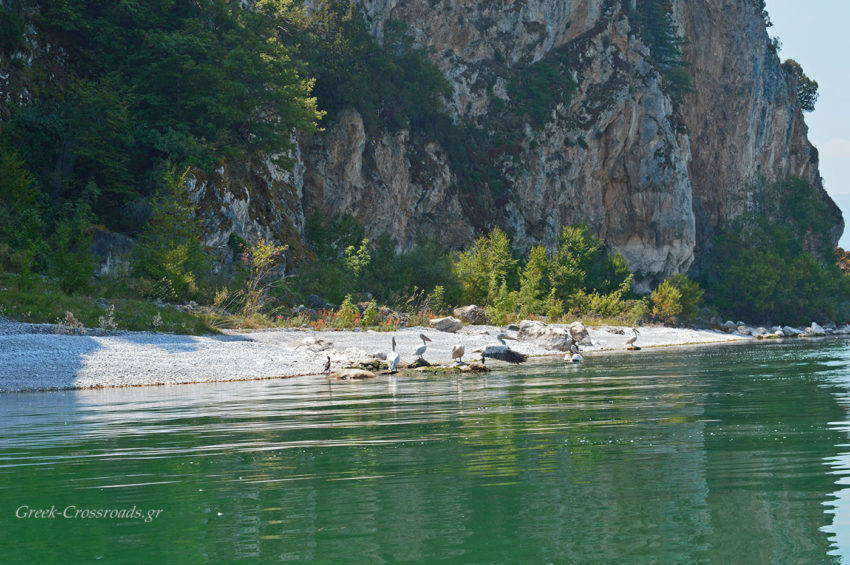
{"x":770,"y":271}
{"x":133,"y":98}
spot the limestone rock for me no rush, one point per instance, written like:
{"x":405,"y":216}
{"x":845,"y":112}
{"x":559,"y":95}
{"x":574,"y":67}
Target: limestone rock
{"x":447,"y":324}
{"x":655,"y":180}
{"x":550,"y":337}
{"x":471,"y":314}
{"x":578,"y":332}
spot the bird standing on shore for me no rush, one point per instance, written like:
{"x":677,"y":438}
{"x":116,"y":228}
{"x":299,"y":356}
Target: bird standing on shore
{"x":327,"y":368}
{"x":420,"y":351}
{"x":574,"y":356}
{"x":457,"y":353}
{"x":630,"y":343}
{"x":393,"y":359}
{"x":502,"y":352}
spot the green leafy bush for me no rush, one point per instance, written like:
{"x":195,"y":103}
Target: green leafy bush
{"x":348,"y":315}
{"x":676,"y":300}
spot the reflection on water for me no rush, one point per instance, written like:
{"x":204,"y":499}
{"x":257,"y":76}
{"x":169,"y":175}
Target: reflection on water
{"x":734,"y":453}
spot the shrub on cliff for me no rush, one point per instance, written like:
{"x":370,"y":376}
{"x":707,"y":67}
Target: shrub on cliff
{"x":676,"y":300}
{"x":807,"y":89}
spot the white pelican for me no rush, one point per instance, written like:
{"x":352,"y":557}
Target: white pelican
{"x":631,"y":341}
{"x":502,"y":352}
{"x":574,"y":356}
{"x":420,"y":351}
{"x":393,"y":358}
{"x":457,"y":353}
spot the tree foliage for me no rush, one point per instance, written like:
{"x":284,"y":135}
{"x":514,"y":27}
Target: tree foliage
{"x":660,"y":32}
{"x":807,"y":89}
{"x":676,"y":300}
{"x":140,"y":83}
{"x":170,"y":251}
{"x":485,"y":268}
{"x":584,"y":262}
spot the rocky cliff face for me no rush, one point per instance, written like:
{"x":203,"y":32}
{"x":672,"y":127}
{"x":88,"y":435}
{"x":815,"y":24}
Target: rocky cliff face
{"x":655,"y":181}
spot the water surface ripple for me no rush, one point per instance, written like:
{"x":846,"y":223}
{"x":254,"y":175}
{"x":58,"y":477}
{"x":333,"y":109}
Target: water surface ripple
{"x":736,"y":453}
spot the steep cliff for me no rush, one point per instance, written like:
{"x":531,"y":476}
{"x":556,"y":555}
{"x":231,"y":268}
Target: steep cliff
{"x":607,"y":146}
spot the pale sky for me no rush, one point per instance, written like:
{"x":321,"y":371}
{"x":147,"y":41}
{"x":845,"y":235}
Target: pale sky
{"x":814,"y":33}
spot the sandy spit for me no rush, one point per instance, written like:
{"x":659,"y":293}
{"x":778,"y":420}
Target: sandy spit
{"x":34,"y":357}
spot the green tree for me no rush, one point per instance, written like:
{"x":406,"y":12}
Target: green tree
{"x":807,"y":89}
{"x":70,"y":258}
{"x":21,"y":210}
{"x":144,"y":82}
{"x":676,"y":300}
{"x":484,"y":269}
{"x":659,"y":31}
{"x":170,"y":251}
{"x":761,"y":272}
{"x":582,"y":262}
{"x":534,"y":282}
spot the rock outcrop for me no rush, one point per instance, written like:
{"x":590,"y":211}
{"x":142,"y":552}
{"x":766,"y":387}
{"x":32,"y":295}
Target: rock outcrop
{"x":652,"y":178}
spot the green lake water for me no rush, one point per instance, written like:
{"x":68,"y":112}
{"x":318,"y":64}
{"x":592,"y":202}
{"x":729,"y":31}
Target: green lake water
{"x":728,"y":454}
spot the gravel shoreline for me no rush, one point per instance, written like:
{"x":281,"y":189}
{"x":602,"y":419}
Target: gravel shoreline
{"x":34,"y":357}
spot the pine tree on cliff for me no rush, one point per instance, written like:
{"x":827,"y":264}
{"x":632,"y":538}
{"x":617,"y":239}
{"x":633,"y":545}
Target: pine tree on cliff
{"x":660,"y":33}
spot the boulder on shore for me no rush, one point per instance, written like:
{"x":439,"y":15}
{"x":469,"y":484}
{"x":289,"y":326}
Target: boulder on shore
{"x":550,"y":337}
{"x":353,"y":374}
{"x":791,"y":332}
{"x":729,"y":326}
{"x":447,"y":324}
{"x":579,"y":333}
{"x":815,"y":330}
{"x":471,"y":314}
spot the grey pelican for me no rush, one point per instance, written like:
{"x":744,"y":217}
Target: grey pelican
{"x":393,"y":358}
{"x":502,"y":352}
{"x":327,"y":368}
{"x":420,"y":351}
{"x":457,"y":353}
{"x":574,"y":356}
{"x":631,"y":341}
